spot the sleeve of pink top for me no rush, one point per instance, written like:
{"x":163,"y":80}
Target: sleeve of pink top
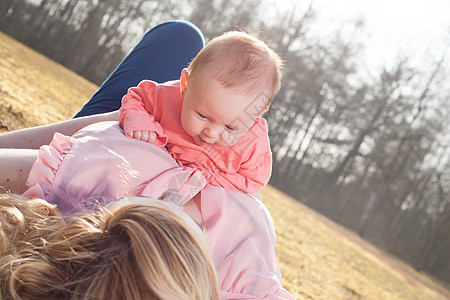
{"x":136,"y":113}
{"x":241,"y":236}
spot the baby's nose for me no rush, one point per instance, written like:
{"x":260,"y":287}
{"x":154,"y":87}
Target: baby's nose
{"x":214,"y":132}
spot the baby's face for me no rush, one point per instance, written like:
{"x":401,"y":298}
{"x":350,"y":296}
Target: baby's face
{"x":212,"y":114}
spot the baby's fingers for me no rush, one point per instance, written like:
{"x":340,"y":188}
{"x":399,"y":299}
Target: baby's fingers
{"x":151,"y":136}
{"x":136,"y":134}
{"x":148,"y":136}
{"x":144,"y":136}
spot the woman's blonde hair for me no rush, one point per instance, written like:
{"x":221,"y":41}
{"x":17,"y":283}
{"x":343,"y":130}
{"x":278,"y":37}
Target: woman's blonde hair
{"x":136,"y":251}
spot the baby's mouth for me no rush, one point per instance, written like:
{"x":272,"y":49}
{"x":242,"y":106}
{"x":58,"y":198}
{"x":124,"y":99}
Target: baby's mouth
{"x":203,"y":142}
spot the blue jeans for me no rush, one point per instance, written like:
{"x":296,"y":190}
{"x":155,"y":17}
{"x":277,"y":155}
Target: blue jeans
{"x":160,"y":56}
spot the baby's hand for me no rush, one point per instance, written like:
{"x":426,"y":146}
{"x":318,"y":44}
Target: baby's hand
{"x":144,"y":135}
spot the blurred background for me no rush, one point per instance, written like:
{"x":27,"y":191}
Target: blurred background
{"x":360,"y":130}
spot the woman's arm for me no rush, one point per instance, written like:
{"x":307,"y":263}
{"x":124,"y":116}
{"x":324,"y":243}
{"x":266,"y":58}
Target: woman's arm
{"x":15,"y":165}
{"x":34,"y":137}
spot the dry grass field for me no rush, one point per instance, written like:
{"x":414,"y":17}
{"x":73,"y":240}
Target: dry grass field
{"x":319,"y":259}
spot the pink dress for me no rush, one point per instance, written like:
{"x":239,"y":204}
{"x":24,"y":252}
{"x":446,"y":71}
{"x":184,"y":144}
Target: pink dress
{"x":245,"y":166}
{"x":99,"y":164}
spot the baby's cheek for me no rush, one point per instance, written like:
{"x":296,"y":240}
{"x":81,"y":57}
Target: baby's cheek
{"x":188,"y":126}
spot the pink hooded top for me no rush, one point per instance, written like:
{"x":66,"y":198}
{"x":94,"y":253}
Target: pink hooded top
{"x":100,"y":164}
{"x":246,"y":166}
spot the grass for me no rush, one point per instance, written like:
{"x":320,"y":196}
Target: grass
{"x":35,"y":90}
{"x":318,"y":259}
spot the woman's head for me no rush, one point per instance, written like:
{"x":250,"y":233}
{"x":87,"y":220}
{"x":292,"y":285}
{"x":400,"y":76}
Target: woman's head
{"x":134,"y":251}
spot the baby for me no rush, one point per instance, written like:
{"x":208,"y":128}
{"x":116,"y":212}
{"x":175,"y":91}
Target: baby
{"x":210,"y":119}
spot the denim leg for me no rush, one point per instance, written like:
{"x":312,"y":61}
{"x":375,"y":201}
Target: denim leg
{"x":160,"y":56}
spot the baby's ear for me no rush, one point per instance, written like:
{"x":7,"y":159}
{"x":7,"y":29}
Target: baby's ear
{"x":184,"y":80}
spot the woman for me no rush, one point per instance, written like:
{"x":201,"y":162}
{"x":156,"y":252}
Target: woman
{"x":240,"y":234}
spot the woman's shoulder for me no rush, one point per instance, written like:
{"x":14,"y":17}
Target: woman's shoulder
{"x":232,"y":211}
{"x":239,"y":226}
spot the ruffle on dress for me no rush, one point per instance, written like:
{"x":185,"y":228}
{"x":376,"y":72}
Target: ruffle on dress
{"x":42,"y":174}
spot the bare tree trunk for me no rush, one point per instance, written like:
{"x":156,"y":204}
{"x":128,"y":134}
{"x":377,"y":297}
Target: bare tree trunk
{"x":434,"y":239}
{"x":7,"y":6}
{"x":292,"y":165}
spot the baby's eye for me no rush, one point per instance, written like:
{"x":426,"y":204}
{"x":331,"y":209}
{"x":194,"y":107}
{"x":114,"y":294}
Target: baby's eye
{"x":202,"y":116}
{"x":229,"y":128}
